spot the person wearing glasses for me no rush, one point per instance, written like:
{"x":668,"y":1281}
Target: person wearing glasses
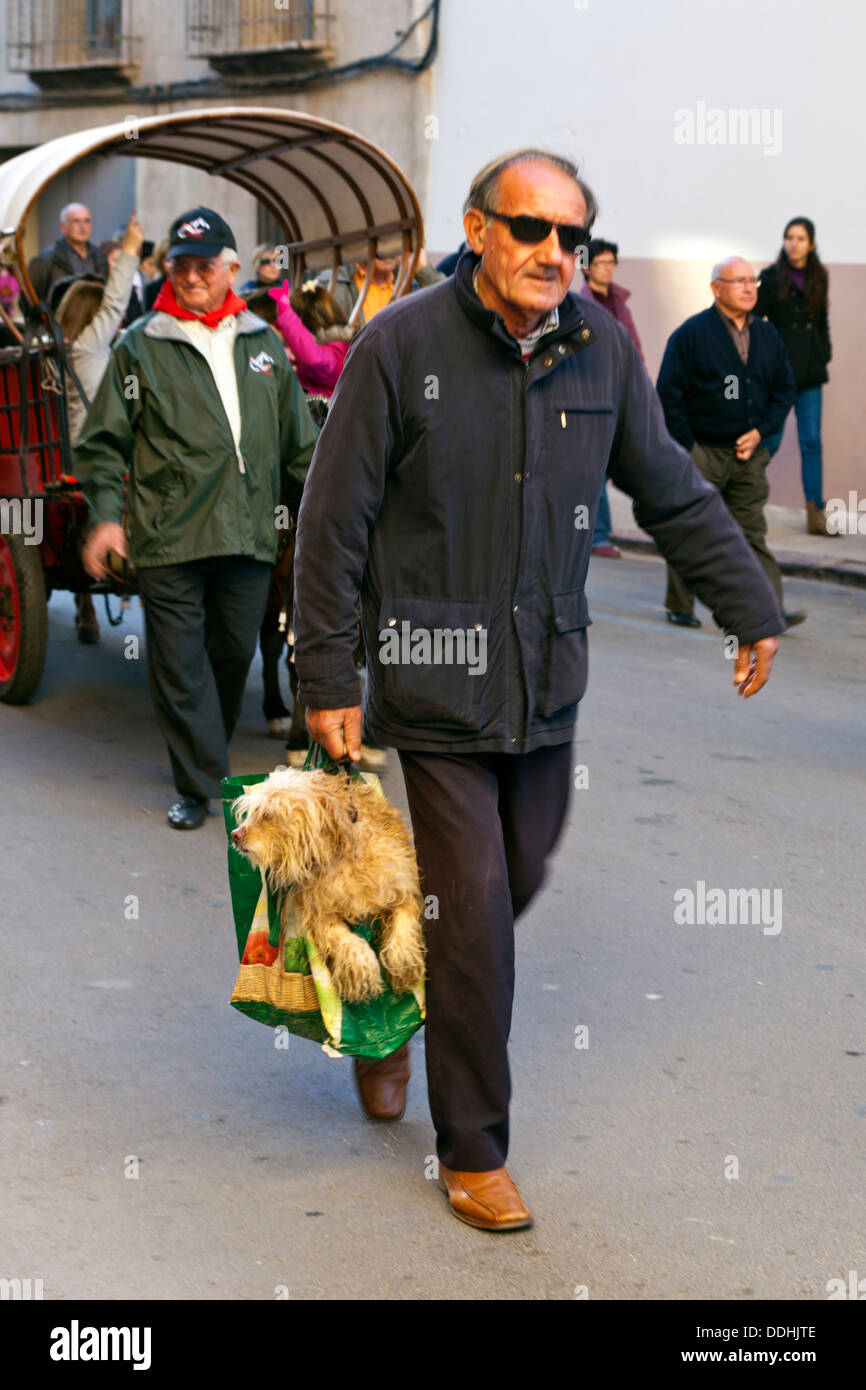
{"x":200,"y":406}
{"x":454,"y":487}
{"x":725,"y":384}
{"x":72,"y":254}
{"x":602,"y":259}
{"x":267,"y":269}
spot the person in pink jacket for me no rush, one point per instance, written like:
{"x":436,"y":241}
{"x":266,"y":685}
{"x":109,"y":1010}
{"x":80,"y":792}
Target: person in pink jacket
{"x":316,"y":333}
{"x":316,"y":336}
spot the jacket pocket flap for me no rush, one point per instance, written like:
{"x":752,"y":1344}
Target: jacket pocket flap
{"x":572,"y":407}
{"x":570,"y":611}
{"x":434,"y":613}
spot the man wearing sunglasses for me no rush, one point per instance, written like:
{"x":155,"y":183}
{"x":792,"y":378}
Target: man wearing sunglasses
{"x":455,"y":488}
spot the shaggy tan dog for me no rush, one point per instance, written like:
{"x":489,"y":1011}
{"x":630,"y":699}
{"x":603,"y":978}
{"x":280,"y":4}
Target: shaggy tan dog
{"x":344,"y":850}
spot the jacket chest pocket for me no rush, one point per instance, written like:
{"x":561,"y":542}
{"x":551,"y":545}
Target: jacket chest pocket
{"x":566,"y":669}
{"x":579,"y":436}
{"x":430,"y":660}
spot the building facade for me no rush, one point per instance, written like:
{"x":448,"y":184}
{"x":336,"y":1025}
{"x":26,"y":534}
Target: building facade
{"x":76,"y":64}
{"x":702,"y":133}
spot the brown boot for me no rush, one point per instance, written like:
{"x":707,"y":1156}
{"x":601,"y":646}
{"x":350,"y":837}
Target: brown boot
{"x":489,"y":1201}
{"x":382,"y":1085}
{"x":816,"y":520}
{"x":86,"y":621}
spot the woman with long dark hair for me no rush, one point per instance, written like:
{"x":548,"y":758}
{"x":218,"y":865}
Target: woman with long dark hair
{"x":793,"y":296}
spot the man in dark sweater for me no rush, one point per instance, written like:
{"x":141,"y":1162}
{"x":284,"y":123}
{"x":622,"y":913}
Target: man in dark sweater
{"x":725,"y":384}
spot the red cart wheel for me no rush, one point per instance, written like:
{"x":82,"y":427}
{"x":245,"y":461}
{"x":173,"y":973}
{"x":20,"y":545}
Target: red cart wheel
{"x":23,"y":620}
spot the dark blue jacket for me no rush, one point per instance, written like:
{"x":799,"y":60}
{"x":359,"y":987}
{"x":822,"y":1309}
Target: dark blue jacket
{"x":710,"y":396}
{"x":454,"y":485}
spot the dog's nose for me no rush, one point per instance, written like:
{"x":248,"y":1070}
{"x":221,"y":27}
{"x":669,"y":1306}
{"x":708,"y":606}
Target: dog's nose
{"x":238,"y":836}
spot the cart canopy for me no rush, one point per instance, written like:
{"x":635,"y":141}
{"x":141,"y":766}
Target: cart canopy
{"x":336,"y":196}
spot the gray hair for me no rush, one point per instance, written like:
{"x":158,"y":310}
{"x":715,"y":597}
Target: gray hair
{"x":65,"y":211}
{"x":229,"y":256}
{"x":719,"y":267}
{"x":484,"y":191}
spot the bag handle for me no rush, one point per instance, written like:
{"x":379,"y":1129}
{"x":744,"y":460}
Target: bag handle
{"x":317,"y":760}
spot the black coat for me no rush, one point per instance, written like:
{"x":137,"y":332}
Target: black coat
{"x":806,"y":338}
{"x":57,"y":263}
{"x":454,"y":485}
{"x":152,"y":290}
{"x":710,"y":395}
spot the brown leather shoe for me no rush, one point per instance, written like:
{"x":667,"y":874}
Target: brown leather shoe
{"x":489,"y":1201}
{"x":382,"y":1085}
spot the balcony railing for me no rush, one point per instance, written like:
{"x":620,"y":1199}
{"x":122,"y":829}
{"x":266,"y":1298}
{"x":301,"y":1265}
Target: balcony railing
{"x":67,"y":42}
{"x":234,"y":34}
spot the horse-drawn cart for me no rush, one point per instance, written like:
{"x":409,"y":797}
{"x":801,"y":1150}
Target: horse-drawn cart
{"x":337,"y":198}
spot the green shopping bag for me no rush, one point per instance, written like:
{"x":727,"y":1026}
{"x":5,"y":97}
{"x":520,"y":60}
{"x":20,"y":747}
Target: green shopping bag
{"x":282,"y":979}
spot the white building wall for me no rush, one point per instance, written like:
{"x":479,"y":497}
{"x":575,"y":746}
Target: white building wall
{"x":602,"y":81}
{"x":612,"y":83}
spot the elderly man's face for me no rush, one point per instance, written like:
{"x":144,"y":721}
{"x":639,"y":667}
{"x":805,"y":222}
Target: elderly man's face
{"x":737,"y":290}
{"x":200,"y":283}
{"x":78,"y":224}
{"x":529,"y":280}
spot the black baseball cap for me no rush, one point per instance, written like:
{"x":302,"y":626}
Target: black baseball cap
{"x":200,"y":232}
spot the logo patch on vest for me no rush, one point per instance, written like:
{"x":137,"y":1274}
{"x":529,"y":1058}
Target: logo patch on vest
{"x":263,"y":363}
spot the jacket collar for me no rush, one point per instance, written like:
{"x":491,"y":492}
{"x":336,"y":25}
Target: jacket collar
{"x":572,"y":334}
{"x":167,"y":327}
{"x":63,"y":252}
{"x":614,"y":290}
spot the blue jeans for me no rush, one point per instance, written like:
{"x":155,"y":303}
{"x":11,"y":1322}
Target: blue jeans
{"x":807,"y":404}
{"x":603,"y":523}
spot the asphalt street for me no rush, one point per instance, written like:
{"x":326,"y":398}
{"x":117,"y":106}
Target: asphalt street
{"x":708,"y":1141}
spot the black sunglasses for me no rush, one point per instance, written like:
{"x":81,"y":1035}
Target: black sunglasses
{"x":531,"y":230}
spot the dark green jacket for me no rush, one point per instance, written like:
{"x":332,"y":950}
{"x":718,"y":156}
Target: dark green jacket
{"x":159,"y":415}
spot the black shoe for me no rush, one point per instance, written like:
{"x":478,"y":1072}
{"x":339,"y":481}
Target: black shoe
{"x":683,"y":619}
{"x":792,"y":619}
{"x":187,"y":814}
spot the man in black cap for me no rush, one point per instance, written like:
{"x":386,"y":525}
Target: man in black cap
{"x":200,"y":405}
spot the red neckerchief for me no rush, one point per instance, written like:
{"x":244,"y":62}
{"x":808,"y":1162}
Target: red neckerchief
{"x":167,"y":304}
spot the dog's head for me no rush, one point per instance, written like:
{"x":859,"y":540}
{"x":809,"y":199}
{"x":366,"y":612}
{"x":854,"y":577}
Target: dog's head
{"x":291,"y":824}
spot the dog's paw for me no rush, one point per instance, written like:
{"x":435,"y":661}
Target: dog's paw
{"x":403,"y":963}
{"x":355,"y":971}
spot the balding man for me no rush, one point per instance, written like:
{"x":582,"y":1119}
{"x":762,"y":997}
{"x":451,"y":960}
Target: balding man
{"x":71,"y":254}
{"x":455,"y":486}
{"x":726,"y":384}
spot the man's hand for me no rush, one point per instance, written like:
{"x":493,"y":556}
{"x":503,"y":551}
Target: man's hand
{"x":753,"y":665}
{"x":133,"y":237}
{"x":747,"y":444}
{"x":338,"y":731}
{"x":105,"y":536}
